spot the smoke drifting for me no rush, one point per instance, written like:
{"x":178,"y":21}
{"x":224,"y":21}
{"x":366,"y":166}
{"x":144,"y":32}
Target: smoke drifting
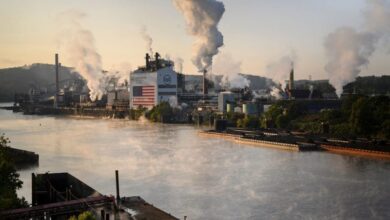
{"x":79,"y":45}
{"x":121,"y":72}
{"x":179,"y":64}
{"x":349,"y":50}
{"x":148,"y":40}
{"x":280,"y":70}
{"x":230,"y":69}
{"x":202,"y":18}
{"x":276,"y":92}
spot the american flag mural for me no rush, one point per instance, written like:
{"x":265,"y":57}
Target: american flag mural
{"x":144,"y":95}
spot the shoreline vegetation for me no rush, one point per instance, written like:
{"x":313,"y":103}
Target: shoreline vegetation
{"x":362,"y":123}
{"x":9,"y":179}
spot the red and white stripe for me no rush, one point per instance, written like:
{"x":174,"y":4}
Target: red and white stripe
{"x":148,"y":97}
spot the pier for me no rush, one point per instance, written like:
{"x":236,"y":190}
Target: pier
{"x":61,"y":195}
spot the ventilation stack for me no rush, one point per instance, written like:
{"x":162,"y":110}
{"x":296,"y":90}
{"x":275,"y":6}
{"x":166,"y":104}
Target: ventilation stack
{"x":205,"y":89}
{"x":57,"y":67}
{"x":291,"y":82}
{"x":147,"y":59}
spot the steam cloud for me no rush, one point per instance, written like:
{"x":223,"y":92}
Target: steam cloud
{"x":148,"y":40}
{"x":79,"y":44}
{"x":280,"y":70}
{"x":230,"y":69}
{"x":276,"y":92}
{"x":349,"y":50}
{"x":202,"y":18}
{"x":179,"y":64}
{"x":121,"y":72}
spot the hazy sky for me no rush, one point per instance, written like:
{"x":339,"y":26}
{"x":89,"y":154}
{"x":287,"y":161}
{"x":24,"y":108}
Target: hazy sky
{"x":256,"y":32}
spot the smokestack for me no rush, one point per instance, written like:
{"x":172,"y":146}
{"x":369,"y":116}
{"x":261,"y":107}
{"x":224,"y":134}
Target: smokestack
{"x":205,"y":89}
{"x":117,"y":186}
{"x":157,"y":56}
{"x":291,"y":82}
{"x":147,"y":59}
{"x":57,"y":81}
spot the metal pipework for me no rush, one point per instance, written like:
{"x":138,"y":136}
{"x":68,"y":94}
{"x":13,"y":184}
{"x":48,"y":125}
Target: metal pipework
{"x":117,"y":186}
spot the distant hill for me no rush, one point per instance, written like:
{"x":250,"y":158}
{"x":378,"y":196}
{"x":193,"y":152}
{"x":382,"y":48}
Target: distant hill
{"x":21,"y":79}
{"x":369,"y":85}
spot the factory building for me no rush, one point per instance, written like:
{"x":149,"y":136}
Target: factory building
{"x":295,"y":93}
{"x":154,"y":83}
{"x":225,"y":98}
{"x":118,"y":98}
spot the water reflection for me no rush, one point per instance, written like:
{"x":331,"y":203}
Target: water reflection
{"x":178,"y":171}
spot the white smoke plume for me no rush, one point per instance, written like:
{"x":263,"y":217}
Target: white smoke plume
{"x":173,"y":102}
{"x":349,"y":50}
{"x":179,"y":64}
{"x":276,"y":92}
{"x":202,"y":18}
{"x":148,"y":40}
{"x":79,"y":45}
{"x":230,"y":70}
{"x":279,"y":71}
{"x":121,"y":71}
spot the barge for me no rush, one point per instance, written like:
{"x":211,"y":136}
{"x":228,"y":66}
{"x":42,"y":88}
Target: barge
{"x":291,"y":145}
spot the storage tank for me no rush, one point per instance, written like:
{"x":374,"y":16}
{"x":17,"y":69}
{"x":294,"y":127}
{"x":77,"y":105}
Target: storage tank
{"x":229,"y":107}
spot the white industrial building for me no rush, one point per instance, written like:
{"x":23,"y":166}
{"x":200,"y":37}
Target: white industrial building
{"x":154,"y":83}
{"x":223,"y":99}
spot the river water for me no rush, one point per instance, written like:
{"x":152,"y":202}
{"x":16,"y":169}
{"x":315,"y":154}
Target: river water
{"x":182,"y":173}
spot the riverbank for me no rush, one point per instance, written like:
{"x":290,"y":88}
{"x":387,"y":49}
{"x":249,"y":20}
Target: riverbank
{"x":357,"y":152}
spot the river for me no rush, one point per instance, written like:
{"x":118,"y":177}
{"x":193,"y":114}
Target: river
{"x":184,"y":174}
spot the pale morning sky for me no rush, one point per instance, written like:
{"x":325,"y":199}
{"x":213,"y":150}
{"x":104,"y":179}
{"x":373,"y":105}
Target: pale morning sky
{"x":256,"y":32}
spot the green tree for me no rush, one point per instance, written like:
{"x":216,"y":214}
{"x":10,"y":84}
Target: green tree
{"x":270,"y":116}
{"x":282,"y":121}
{"x":236,"y":118}
{"x":162,"y":112}
{"x":9,"y":181}
{"x":361,"y":118}
{"x":84,"y":216}
{"x":248,"y":122}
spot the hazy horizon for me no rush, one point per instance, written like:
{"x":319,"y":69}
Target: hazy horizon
{"x":256,"y":33}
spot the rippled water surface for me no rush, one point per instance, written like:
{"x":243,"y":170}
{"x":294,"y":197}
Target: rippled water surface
{"x":173,"y":168}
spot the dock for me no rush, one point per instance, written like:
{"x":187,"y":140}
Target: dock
{"x":61,"y":195}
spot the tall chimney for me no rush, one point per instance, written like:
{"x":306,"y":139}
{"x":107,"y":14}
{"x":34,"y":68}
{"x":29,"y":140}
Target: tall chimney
{"x":57,"y":81}
{"x":157,"y":60}
{"x":291,"y":82}
{"x":117,"y":186}
{"x":147,"y":58}
{"x":205,"y":89}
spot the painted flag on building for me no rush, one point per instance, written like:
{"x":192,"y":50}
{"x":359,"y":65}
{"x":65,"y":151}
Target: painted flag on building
{"x":143,"y":95}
